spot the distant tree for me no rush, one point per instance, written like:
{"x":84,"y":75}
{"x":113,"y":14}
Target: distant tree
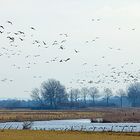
{"x":84,"y":93}
{"x":108,"y":94}
{"x":36,"y":96}
{"x":12,"y":103}
{"x":93,"y":92}
{"x":52,"y":93}
{"x":71,"y":96}
{"x":74,"y":96}
{"x":133,"y":93}
{"x":121,"y":94}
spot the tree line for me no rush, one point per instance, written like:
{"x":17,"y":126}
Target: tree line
{"x":52,"y":94}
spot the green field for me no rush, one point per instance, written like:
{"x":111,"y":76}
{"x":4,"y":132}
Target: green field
{"x":59,"y":135}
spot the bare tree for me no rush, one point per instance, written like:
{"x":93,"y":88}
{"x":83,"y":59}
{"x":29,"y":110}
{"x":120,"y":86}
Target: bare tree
{"x":52,"y":93}
{"x":74,"y":96}
{"x":84,"y":93}
{"x":108,"y":94}
{"x":71,"y":96}
{"x":36,"y":95}
{"x":133,"y":93}
{"x":121,"y":93}
{"x":93,"y":91}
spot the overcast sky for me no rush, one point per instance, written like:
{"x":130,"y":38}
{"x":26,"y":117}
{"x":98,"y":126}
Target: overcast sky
{"x":112,"y":38}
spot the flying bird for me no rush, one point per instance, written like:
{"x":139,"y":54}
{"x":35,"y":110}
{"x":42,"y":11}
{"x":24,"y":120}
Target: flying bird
{"x":9,"y":22}
{"x":32,"y":28}
{"x":76,"y":51}
{"x":61,"y":47}
{"x":85,"y":64}
{"x":44,"y":43}
{"x":67,"y":59}
{"x":1,"y":27}
{"x":66,"y":35}
{"x":21,"y":32}
{"x":11,"y":38}
{"x":21,"y":39}
{"x":16,"y":33}
{"x":63,"y":41}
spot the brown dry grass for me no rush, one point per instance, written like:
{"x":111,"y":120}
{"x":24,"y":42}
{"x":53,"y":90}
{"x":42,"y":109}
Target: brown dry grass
{"x":21,"y":115}
{"x":59,"y":135}
{"x":110,"y":114}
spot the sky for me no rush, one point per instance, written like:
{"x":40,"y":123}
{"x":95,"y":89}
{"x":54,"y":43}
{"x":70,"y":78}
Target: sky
{"x":104,"y":32}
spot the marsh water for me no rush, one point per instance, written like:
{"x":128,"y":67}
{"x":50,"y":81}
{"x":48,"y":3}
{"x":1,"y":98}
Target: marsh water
{"x":79,"y":124}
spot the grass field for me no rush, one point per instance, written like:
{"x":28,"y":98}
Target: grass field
{"x":21,"y":115}
{"x":110,"y":114}
{"x":59,"y":135}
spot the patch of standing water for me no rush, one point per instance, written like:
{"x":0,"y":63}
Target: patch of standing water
{"x":79,"y":124}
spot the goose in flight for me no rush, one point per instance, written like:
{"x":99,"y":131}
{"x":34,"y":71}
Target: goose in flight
{"x":9,"y":22}
{"x":11,"y":38}
{"x":1,"y":27}
{"x":66,"y":35}
{"x":76,"y":51}
{"x":63,"y":41}
{"x":85,"y":64}
{"x":16,"y":33}
{"x":44,"y":43}
{"x":21,"y":39}
{"x":36,"y":41}
{"x":32,"y":28}
{"x":67,"y":59}
{"x":3,"y":80}
{"x":21,"y":32}
{"x":61,"y":47}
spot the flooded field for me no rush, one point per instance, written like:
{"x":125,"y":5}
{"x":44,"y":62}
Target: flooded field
{"x":80,"y":125}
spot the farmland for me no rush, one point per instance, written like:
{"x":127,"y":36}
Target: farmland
{"x":59,"y":135}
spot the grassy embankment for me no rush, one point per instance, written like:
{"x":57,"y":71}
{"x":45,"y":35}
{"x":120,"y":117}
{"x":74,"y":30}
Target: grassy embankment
{"x":59,"y":135}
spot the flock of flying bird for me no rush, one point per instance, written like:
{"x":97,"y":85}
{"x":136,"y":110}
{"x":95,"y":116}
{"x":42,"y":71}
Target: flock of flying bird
{"x":17,"y":38}
{"x":116,"y":76}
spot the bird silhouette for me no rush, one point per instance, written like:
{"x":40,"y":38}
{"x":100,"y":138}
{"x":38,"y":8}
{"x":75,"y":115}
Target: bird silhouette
{"x":32,"y":28}
{"x":9,"y":22}
{"x":1,"y":27}
{"x":44,"y":43}
{"x":21,"y":32}
{"x":67,"y":59}
{"x":76,"y":51}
